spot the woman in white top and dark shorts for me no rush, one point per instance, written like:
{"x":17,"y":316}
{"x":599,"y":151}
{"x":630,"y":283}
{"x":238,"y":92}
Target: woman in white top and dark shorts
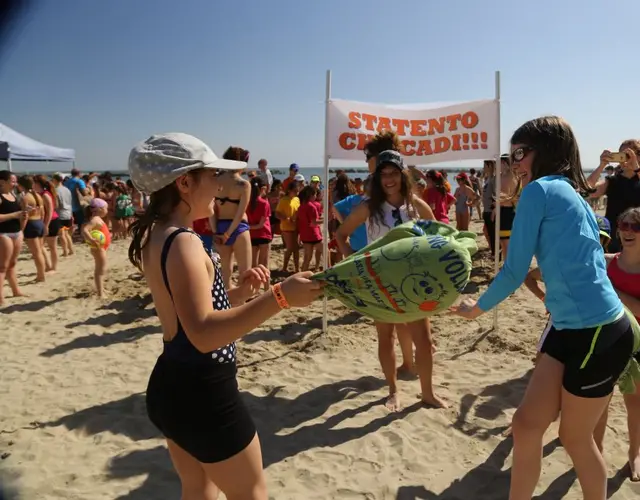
{"x":391,"y":202}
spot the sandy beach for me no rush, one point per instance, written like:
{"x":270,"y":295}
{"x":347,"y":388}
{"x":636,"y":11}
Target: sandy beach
{"x":73,"y":423}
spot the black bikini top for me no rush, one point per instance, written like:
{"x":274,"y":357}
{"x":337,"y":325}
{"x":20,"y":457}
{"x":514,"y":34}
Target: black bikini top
{"x":230,"y":200}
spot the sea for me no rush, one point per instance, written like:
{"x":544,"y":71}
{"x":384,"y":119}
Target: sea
{"x":278,"y":172}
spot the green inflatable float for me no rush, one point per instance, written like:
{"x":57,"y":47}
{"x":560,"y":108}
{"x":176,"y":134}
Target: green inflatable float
{"x":416,"y":270}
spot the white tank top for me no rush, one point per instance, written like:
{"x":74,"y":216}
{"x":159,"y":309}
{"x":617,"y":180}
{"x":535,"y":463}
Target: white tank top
{"x":391,"y":217}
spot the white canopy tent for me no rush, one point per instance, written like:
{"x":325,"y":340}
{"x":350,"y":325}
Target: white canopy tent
{"x":16,"y":146}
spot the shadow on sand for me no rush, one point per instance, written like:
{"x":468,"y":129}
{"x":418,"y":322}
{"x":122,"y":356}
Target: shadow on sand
{"x":271,"y":413}
{"x":486,"y":481}
{"x":35,"y":306}
{"x":503,"y":396}
{"x":93,"y":341}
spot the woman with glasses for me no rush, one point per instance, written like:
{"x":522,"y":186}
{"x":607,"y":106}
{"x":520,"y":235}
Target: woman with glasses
{"x":623,"y":269}
{"x":390,"y":203}
{"x":591,"y":340}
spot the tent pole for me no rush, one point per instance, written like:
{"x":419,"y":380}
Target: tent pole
{"x":9,"y":163}
{"x":498,"y":189}
{"x":325,"y":223}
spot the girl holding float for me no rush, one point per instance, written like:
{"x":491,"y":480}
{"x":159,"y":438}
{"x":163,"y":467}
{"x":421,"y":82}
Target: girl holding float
{"x":390,"y":203}
{"x":591,"y":340}
{"x":192,"y":396}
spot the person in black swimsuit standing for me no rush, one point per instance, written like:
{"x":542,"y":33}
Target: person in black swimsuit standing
{"x":193,"y":396}
{"x":12,"y":221}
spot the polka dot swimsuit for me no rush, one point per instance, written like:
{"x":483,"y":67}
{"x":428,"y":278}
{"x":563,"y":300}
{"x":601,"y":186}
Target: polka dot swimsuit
{"x":180,"y":347}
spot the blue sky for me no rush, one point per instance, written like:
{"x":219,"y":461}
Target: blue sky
{"x":100,"y":76}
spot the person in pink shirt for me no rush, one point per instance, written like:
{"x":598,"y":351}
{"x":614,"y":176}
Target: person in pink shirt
{"x":259,"y":219}
{"x":309,"y":220}
{"x":437,"y":196}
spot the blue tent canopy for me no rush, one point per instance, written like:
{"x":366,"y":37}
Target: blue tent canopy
{"x":23,"y":148}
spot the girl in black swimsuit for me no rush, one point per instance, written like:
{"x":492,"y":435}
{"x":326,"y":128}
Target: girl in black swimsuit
{"x":12,"y":223}
{"x":193,"y":395}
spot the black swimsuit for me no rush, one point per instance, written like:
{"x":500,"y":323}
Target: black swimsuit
{"x":193,"y":397}
{"x":9,"y":226}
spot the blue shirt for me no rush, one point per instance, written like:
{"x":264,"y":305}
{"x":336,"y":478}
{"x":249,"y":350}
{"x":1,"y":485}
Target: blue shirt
{"x":554,"y":224}
{"x":72,"y":184}
{"x":358,"y":239}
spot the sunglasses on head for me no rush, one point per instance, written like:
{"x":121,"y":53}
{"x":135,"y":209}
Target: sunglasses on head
{"x":631,"y":227}
{"x":519,"y":154}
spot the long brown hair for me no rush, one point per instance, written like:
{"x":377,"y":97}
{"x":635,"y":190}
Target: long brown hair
{"x":377,"y":196}
{"x":162,"y":204}
{"x":344,"y":187}
{"x":438,"y":181}
{"x":556,"y":150}
{"x":48,"y":186}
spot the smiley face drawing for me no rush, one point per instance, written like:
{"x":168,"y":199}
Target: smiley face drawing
{"x":422,"y":289}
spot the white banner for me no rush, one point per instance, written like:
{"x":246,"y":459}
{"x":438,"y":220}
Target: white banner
{"x":465,"y":131}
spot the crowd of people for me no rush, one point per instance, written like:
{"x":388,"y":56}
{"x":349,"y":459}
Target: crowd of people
{"x":191,"y":219}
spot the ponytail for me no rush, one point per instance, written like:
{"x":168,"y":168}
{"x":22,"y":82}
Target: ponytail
{"x":257,"y":183}
{"x":26,"y":182}
{"x":48,"y":186}
{"x":161,"y":204}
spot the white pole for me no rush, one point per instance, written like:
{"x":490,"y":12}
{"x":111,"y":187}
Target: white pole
{"x":9,"y":163}
{"x":498,"y":188}
{"x":325,"y":224}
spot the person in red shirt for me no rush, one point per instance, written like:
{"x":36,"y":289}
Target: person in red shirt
{"x":437,"y":196}
{"x":294,"y":168}
{"x":309,"y":221}
{"x":623,"y":270}
{"x":202,"y":227}
{"x":259,"y":218}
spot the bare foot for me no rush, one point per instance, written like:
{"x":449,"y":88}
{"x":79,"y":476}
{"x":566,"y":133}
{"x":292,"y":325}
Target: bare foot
{"x":40,"y":280}
{"x":18,"y":294}
{"x":52,"y":271}
{"x":507,"y":432}
{"x":393,"y":402}
{"x":634,"y":468}
{"x":434,"y":400}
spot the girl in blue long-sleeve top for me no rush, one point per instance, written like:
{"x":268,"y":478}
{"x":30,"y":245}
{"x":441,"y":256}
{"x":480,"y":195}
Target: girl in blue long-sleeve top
{"x":591,"y":340}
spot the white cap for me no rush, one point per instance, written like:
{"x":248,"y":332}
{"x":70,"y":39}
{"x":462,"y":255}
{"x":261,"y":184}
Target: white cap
{"x":162,"y":158}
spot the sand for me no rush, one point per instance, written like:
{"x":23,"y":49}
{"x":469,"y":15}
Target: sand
{"x":74,"y":371}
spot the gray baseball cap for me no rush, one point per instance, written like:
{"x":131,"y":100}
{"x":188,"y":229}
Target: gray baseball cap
{"x":389,"y":157}
{"x":162,"y":158}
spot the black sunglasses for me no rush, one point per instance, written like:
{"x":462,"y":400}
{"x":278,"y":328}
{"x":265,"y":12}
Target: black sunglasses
{"x":517,"y":155}
{"x":397,"y":217}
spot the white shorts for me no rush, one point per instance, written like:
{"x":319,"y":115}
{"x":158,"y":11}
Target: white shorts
{"x":545,"y":332}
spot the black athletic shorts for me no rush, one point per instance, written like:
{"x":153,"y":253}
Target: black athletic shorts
{"x":54,"y":228}
{"x":66,"y":223}
{"x":199,"y":408}
{"x":593,"y":358}
{"x":34,"y":229}
{"x":255,"y":242}
{"x":507,"y":214}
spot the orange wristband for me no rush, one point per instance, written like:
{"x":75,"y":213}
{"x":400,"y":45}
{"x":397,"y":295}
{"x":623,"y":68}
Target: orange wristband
{"x":280,"y":298}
